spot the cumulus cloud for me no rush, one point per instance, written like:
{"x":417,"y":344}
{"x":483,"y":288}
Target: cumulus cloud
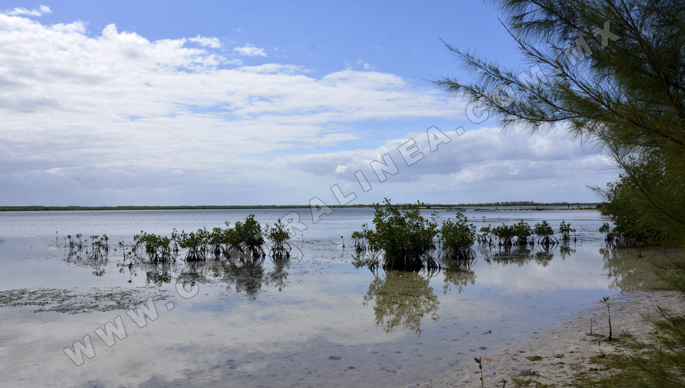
{"x":250,"y":51}
{"x":365,"y":65}
{"x":23,"y":11}
{"x":119,"y":105}
{"x":481,"y":165}
{"x":208,"y":42}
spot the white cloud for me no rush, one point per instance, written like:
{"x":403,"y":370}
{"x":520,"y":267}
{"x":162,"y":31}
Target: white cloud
{"x":23,"y":11}
{"x":481,"y":165}
{"x":118,"y":105}
{"x":207,"y":42}
{"x":250,"y":51}
{"x":365,"y":65}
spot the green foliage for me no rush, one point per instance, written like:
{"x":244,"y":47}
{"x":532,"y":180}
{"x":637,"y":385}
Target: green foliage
{"x":248,"y":233}
{"x":605,"y":301}
{"x":545,"y":233}
{"x":457,"y":237}
{"x":485,"y":236}
{"x":99,"y":246}
{"x":480,"y":367}
{"x":625,"y":95}
{"x":646,"y":219}
{"x":609,"y":235}
{"x":523,"y":233}
{"x":279,"y":234}
{"x":665,"y":364}
{"x":565,"y":230}
{"x":194,"y":242}
{"x":505,"y":234}
{"x":403,"y":235}
{"x":158,"y":248}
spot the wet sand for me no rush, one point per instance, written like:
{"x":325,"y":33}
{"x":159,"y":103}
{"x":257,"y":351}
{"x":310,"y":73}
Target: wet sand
{"x":558,"y":355}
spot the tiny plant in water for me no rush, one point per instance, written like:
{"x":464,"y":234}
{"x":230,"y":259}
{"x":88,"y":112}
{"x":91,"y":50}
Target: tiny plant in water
{"x":605,"y":301}
{"x":566,"y":230}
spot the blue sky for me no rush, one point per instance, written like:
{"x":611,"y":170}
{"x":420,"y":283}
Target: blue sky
{"x":170,"y":103}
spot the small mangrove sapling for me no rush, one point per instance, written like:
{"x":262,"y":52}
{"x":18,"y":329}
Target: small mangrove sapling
{"x":605,"y":301}
{"x":480,"y":366}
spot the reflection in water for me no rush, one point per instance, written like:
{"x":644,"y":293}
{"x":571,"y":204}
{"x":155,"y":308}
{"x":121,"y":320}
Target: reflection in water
{"x":522,"y":255}
{"x":402,"y":299}
{"x":630,"y":272}
{"x":278,"y":277}
{"x":246,"y":278}
{"x":566,"y":250}
{"x":245,"y":273}
{"x":157,"y":273}
{"x":97,"y":262}
{"x":460,"y":279}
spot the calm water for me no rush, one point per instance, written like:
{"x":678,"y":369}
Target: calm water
{"x":315,"y":321}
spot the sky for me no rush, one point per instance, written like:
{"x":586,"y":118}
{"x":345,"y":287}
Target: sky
{"x":249,"y":103}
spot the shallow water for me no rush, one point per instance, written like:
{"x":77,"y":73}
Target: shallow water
{"x":315,"y":321}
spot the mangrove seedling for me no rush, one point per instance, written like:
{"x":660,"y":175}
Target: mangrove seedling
{"x":158,"y":248}
{"x":480,"y":366}
{"x":458,"y":237}
{"x":566,"y":230}
{"x":279,"y":235}
{"x":523,"y":233}
{"x":504,"y":234}
{"x":545,"y":234}
{"x":605,"y":301}
{"x":194,"y":242}
{"x":485,"y":235}
{"x":359,"y":241}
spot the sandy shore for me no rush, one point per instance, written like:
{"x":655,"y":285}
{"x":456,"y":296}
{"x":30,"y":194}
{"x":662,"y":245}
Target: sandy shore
{"x":556,"y":356}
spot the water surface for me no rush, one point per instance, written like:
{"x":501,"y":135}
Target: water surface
{"x":313,"y":321}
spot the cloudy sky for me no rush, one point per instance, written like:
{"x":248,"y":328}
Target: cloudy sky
{"x":246,"y":102}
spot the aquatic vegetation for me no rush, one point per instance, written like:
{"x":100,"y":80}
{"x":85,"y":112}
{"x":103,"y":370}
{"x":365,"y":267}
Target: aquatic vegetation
{"x":566,"y":230}
{"x":485,"y":236}
{"x":99,"y":246}
{"x":76,"y":245}
{"x":545,"y":234}
{"x":157,"y":248}
{"x":523,"y":233}
{"x":457,"y":238}
{"x":247,"y":233}
{"x":403,"y":235}
{"x":359,"y":241}
{"x":505,"y":234}
{"x":194,"y":242}
{"x":610,"y":236}
{"x":279,"y":235}
{"x":518,"y":234}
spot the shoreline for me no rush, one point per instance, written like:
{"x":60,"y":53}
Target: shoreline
{"x":560,"y":357}
{"x":458,"y":207}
